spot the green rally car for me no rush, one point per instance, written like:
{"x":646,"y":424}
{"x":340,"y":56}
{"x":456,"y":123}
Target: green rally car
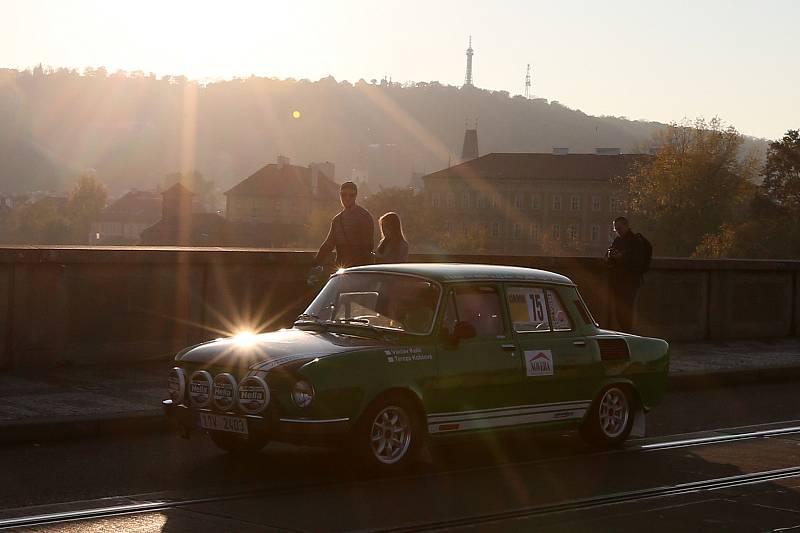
{"x":387,"y":356}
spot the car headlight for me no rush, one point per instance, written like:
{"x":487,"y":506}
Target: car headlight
{"x":303,"y":393}
{"x":176,"y":384}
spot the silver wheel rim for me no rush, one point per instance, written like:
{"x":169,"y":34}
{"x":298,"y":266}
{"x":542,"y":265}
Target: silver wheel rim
{"x":390,"y":435}
{"x":613,"y":413}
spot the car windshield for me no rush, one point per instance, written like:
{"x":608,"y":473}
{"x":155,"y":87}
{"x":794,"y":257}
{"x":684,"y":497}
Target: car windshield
{"x":391,"y":301}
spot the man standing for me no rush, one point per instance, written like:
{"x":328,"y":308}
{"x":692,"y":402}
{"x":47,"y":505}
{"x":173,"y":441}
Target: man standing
{"x":351,"y":233}
{"x":628,"y":260}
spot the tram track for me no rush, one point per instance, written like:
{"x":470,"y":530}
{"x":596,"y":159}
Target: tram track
{"x":702,"y":438}
{"x":603,"y":501}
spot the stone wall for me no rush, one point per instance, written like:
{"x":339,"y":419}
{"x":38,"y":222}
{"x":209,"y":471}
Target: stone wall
{"x":61,"y":305}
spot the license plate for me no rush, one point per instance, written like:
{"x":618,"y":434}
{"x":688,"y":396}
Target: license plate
{"x":231,"y":424}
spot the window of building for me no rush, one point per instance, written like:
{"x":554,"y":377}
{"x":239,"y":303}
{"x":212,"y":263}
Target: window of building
{"x":519,"y":200}
{"x":451,"y":200}
{"x":596,"y":203}
{"x":495,"y":229}
{"x":573,"y":232}
{"x":615,"y":205}
{"x":496,"y":200}
{"x":556,"y":202}
{"x":556,"y":232}
{"x":595,"y":232}
{"x":536,"y":201}
{"x":465,"y":229}
{"x":534,"y":232}
{"x":575,"y":203}
{"x":517,"y":231}
{"x":448,"y":227}
{"x":435,"y":200}
{"x":480,"y":201}
{"x":528,"y":309}
{"x":465,"y":200}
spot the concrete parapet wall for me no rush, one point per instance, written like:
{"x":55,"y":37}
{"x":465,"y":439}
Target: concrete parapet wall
{"x":88,"y":304}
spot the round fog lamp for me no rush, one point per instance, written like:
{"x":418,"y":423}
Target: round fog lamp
{"x":200,"y":388}
{"x":176,"y":383}
{"x":253,"y":395}
{"x":225,"y":392}
{"x":302,"y":394}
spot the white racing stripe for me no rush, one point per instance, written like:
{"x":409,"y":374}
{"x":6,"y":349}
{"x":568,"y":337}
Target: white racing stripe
{"x":508,"y":416}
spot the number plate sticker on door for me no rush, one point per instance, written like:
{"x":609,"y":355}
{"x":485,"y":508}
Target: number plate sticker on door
{"x":231,"y":424}
{"x":539,"y":362}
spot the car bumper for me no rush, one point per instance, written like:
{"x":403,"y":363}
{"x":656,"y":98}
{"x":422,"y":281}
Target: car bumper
{"x":296,"y":430}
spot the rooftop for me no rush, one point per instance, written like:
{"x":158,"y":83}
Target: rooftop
{"x":445,"y":272}
{"x":283,"y":180}
{"x":543,"y":166}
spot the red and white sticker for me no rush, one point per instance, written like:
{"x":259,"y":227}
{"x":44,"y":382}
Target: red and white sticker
{"x":538,"y":362}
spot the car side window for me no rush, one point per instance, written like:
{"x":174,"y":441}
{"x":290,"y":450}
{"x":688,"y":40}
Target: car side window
{"x":528,"y":309}
{"x":559,"y":316}
{"x":450,"y":315}
{"x":480,"y":306}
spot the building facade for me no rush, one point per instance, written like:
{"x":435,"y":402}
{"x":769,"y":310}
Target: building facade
{"x":124,"y":220}
{"x":528,"y":203}
{"x":276,"y":205}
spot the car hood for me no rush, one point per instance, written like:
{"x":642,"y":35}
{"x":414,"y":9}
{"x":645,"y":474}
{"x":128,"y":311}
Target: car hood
{"x":269,"y":350}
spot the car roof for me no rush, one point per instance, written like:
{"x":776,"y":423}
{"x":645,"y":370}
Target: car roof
{"x":449,"y":272}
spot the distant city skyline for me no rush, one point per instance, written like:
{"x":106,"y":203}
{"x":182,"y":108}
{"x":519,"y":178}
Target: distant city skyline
{"x":736,"y":60}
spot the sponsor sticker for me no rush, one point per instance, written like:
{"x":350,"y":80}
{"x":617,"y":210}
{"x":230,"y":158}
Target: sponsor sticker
{"x":538,"y":362}
{"x":406,"y":355}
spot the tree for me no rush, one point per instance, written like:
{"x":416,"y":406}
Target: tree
{"x":87,"y":199}
{"x":782,"y":171}
{"x":771,"y":229}
{"x":698,"y":181}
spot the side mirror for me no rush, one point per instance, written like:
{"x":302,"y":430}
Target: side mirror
{"x":463,"y":330}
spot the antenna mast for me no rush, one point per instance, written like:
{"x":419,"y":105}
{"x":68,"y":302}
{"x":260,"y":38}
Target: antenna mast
{"x":468,"y":77}
{"x":528,"y":83}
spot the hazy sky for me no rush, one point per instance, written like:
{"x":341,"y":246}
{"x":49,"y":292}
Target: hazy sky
{"x":641,"y":59}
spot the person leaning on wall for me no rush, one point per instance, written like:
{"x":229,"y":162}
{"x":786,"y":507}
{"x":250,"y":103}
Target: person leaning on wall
{"x":393,"y":247}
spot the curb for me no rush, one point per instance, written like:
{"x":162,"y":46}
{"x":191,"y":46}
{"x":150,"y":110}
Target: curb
{"x":154,"y":420}
{"x":62,"y":428}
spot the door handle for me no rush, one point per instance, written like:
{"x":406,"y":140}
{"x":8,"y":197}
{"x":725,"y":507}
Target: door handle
{"x":509,"y":347}
{"x":579,"y":343}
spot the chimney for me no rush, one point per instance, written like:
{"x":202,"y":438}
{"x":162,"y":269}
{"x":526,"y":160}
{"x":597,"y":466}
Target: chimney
{"x":608,"y":151}
{"x":560,"y":151}
{"x":283,"y":161}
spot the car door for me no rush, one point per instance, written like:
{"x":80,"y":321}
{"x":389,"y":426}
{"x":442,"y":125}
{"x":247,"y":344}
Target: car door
{"x":559,"y":364}
{"x":477,"y":375}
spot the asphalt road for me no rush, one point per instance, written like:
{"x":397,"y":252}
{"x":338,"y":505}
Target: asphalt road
{"x":313,"y":489}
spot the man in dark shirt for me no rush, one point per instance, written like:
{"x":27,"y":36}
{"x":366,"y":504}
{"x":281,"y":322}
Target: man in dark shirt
{"x":626,"y":258}
{"x":351,"y":233}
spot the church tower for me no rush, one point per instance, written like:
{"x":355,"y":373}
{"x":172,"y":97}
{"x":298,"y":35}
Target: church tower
{"x":470,"y":148}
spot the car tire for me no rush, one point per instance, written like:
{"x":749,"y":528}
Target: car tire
{"x":610,"y":418}
{"x":236,"y":444}
{"x":389,"y":435}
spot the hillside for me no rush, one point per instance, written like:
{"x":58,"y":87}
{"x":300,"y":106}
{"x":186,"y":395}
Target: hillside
{"x":134,"y":128}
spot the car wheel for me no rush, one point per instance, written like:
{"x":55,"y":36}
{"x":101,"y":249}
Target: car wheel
{"x":389,"y":435}
{"x":237,"y":444}
{"x":610,"y":418}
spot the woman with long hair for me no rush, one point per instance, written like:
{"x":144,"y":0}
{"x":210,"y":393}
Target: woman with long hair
{"x":393,"y":247}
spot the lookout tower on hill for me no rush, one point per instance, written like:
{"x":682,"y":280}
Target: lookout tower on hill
{"x":468,"y":77}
